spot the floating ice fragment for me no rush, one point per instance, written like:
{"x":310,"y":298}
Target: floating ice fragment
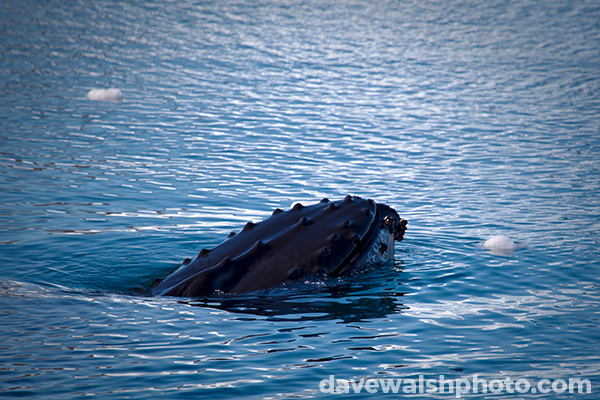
{"x":501,"y":245}
{"x":112,"y":95}
{"x":499,"y":242}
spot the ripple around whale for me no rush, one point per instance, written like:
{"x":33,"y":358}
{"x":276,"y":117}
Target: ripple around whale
{"x":358,"y":297}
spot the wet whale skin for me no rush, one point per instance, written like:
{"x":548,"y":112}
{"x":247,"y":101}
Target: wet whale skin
{"x":330,"y":237}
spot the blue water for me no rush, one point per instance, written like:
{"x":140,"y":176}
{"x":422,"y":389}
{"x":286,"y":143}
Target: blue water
{"x":470,"y":118}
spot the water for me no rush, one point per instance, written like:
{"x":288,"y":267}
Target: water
{"x":471,"y":119}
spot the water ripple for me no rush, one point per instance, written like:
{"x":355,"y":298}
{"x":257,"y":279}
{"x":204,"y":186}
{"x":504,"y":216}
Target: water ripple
{"x":472,"y":120}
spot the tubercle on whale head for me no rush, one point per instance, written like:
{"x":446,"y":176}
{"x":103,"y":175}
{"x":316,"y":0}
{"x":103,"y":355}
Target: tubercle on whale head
{"x":400,"y":228}
{"x":395,"y":225}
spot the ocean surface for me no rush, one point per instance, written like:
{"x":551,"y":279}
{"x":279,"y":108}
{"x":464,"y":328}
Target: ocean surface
{"x":470,"y":118}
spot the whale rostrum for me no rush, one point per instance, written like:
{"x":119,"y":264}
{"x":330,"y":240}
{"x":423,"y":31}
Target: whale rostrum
{"x":329,"y":237}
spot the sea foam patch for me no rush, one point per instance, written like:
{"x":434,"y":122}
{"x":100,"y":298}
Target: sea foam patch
{"x":112,"y":95}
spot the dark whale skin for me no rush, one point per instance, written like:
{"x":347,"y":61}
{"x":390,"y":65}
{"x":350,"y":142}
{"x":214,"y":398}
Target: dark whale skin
{"x":332,"y":237}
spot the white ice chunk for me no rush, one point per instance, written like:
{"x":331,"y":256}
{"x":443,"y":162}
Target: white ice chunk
{"x":499,"y":242}
{"x":112,"y":95}
{"x":500,"y":245}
